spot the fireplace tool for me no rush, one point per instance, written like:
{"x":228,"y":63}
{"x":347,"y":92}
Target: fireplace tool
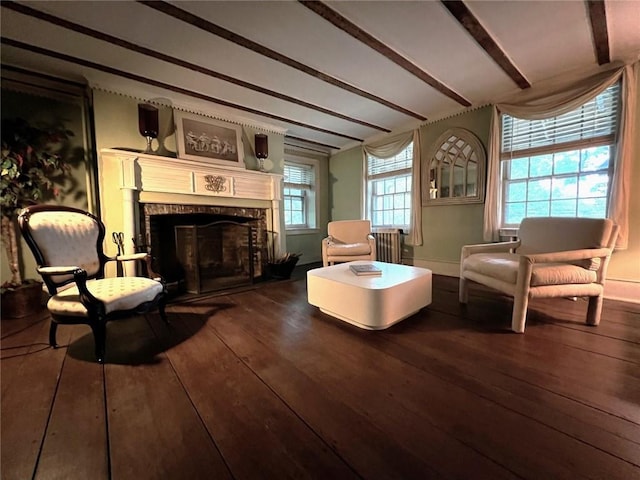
{"x":118,"y":240}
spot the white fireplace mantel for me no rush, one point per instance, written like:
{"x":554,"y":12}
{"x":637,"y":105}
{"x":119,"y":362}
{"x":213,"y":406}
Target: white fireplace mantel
{"x":138,"y":173}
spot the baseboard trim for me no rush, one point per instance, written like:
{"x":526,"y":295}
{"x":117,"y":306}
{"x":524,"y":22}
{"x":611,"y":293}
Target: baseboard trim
{"x":449,"y":269}
{"x":306,"y":260}
{"x":621,"y":290}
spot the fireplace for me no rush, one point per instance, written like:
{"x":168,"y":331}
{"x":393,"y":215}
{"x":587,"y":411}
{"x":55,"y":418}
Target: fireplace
{"x":153,"y":197}
{"x":201,"y":248}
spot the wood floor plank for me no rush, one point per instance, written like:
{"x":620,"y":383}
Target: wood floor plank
{"x":26,"y":402}
{"x":154,"y":430}
{"x":451,"y":362}
{"x":260,"y":384}
{"x":19,"y":345}
{"x":355,"y":437}
{"x":366,"y":390}
{"x":76,"y":440}
{"x":508,"y":420}
{"x":244,"y":415}
{"x":615,"y":390}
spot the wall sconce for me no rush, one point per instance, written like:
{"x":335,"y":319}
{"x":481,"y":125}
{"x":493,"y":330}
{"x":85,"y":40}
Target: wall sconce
{"x":148,"y":124}
{"x":262,"y":149}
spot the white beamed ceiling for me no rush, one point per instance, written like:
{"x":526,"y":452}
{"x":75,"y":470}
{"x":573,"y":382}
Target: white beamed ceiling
{"x":544,"y":40}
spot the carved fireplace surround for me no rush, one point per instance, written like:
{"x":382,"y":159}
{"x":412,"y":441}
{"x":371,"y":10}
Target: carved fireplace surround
{"x":147,"y":179}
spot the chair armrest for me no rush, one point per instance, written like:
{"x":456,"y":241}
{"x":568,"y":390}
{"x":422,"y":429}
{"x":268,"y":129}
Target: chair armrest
{"x":139,"y":256}
{"x":79,"y":277}
{"x":489,"y":248}
{"x":69,"y":270}
{"x":327,"y":240}
{"x":131,"y":256}
{"x":568,"y":255}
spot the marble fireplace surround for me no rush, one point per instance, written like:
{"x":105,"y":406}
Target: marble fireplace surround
{"x":143,"y":179}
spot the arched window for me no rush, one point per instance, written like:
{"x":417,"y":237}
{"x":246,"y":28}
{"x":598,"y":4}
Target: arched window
{"x":455,"y":169}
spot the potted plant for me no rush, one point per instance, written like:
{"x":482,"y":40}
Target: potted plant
{"x":282,"y":267}
{"x":32,"y":172}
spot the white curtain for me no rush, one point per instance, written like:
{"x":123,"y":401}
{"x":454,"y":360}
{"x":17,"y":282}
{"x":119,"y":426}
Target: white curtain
{"x":391,"y":147}
{"x":558,"y":104}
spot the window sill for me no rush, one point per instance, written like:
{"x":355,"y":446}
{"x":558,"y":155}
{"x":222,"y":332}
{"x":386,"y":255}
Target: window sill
{"x":302,"y":231}
{"x":510,"y":233}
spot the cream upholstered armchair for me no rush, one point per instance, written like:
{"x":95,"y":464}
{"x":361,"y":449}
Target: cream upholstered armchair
{"x":348,"y":240}
{"x":553,"y":257}
{"x":67,"y":245}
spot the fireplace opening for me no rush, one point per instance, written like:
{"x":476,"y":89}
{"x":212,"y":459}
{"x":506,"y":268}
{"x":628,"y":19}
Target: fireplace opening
{"x":200,"y":248}
{"x":215,"y":256}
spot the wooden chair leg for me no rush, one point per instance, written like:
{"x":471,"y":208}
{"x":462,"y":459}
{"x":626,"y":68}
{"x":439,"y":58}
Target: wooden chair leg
{"x":99,"y":329}
{"x":52,"y":334}
{"x":594,"y":310}
{"x":463,"y":292}
{"x":161,"y":309}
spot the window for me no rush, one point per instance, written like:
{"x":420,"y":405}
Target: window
{"x":299,"y":195}
{"x":389,"y":189}
{"x":559,"y":166}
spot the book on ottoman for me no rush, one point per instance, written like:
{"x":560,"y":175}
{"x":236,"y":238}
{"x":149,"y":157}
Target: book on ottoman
{"x":366,"y":269}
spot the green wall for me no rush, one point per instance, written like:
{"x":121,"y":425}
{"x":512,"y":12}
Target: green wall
{"x":345,"y":185}
{"x":446,"y":228}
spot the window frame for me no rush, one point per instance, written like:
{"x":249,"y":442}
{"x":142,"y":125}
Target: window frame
{"x":369,"y":180}
{"x":311,"y":199}
{"x":552,"y":149}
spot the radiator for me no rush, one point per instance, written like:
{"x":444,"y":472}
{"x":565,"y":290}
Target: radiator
{"x":388,"y":245}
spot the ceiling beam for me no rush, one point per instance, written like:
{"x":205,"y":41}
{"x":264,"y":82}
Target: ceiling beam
{"x":25,"y":10}
{"x":468,"y":20}
{"x":195,"y":21}
{"x":598,"y":19}
{"x":310,"y":142}
{"x":369,"y":40}
{"x":166,"y":86}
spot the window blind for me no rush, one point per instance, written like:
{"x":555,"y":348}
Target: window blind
{"x":592,"y":123}
{"x":298,"y":176}
{"x":380,"y":166}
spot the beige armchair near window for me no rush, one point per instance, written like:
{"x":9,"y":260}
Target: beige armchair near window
{"x":348,"y":240}
{"x":553,"y":257}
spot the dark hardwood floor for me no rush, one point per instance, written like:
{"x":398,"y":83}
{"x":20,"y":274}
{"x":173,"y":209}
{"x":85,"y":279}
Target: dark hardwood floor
{"x":259,"y":384}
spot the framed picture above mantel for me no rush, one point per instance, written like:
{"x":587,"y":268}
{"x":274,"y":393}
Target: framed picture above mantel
{"x":201,"y":138}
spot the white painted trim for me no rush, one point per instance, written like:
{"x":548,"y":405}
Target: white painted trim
{"x":449,"y":269}
{"x":144,"y":173}
{"x":622,"y":290}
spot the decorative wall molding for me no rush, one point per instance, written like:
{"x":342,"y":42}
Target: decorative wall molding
{"x":141,"y":96}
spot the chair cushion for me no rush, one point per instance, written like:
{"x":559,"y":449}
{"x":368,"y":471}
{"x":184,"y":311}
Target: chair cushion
{"x":348,"y":249}
{"x":504,"y":267}
{"x":116,"y":293}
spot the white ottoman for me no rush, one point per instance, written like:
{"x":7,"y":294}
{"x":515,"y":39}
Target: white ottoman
{"x":369,"y":301}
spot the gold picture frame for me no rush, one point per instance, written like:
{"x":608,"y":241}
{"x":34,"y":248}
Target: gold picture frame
{"x":202,"y":138}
